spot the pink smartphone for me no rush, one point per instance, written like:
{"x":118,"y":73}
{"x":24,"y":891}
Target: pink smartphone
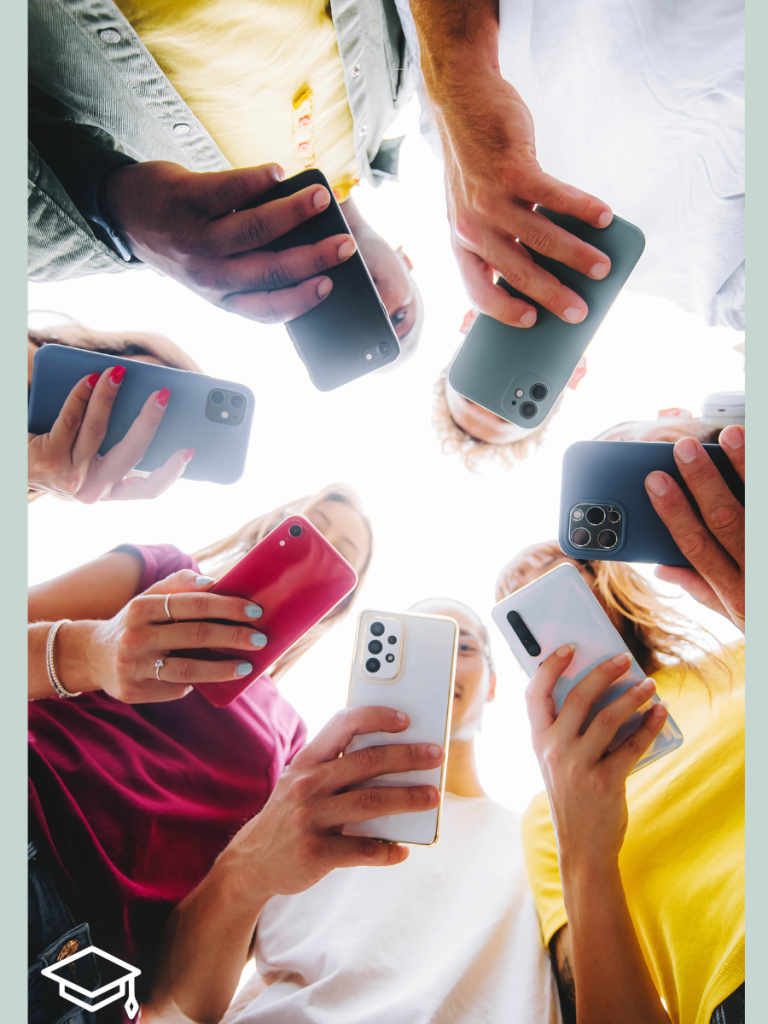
{"x":297,"y":577}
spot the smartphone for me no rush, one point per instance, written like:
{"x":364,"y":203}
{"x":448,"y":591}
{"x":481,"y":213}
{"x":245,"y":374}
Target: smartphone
{"x":559,"y":608}
{"x":406,"y":662}
{"x":212,"y":416}
{"x":348,"y":334}
{"x":297,"y":577}
{"x":724,"y":408}
{"x":605,"y":512}
{"x":519,"y":373}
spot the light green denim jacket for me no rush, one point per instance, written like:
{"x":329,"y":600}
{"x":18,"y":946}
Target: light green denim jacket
{"x":87,"y":58}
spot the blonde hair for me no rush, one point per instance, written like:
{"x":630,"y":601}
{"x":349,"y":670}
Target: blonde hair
{"x":658,"y":636}
{"x":471,"y":450}
{"x":132,"y":344}
{"x":223,"y":554}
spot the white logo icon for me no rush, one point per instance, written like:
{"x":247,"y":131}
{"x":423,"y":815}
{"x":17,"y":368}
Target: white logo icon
{"x":105,"y":995}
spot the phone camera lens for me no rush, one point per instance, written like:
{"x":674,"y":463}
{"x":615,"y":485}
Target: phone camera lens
{"x":377,"y":628}
{"x":539,"y":392}
{"x":375,"y":646}
{"x":217,"y":397}
{"x":595,"y":515}
{"x":533,"y":649}
{"x":237,"y":401}
{"x":614,"y":516}
{"x":295,"y":530}
{"x":384,"y":348}
{"x":512,"y":618}
{"x":372,"y":665}
{"x":390,"y":658}
{"x":528,"y":410}
{"x":607,"y":539}
{"x":391,"y":639}
{"x":580,"y":537}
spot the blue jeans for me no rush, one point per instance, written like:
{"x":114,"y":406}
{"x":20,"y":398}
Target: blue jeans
{"x":53,"y":932}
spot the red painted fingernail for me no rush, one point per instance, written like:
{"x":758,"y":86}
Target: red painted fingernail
{"x":93,"y":380}
{"x":163,"y":396}
{"x":188,"y":455}
{"x":116,"y":375}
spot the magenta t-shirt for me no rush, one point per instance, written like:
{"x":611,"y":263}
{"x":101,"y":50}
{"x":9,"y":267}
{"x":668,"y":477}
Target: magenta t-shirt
{"x":130,"y":804}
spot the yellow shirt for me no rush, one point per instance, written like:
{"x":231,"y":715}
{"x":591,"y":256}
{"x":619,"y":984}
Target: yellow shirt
{"x":264,"y":77}
{"x":682,"y":862}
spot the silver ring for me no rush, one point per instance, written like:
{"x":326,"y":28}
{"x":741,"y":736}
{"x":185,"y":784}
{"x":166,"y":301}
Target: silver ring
{"x":158,"y":666}
{"x":167,"y":608}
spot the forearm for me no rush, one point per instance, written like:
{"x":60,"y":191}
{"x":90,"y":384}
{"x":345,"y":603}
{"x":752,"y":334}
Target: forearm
{"x":71,"y":658}
{"x":612,"y":980}
{"x":97,"y":590}
{"x":456,"y":39}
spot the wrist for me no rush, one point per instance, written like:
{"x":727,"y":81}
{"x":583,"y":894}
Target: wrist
{"x":74,"y":656}
{"x":240,"y":877}
{"x":582,"y":871}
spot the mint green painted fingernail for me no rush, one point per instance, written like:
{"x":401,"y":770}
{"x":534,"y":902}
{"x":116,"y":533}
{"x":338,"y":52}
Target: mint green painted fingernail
{"x":253,"y":611}
{"x":244,"y":668}
{"x":203,"y":581}
{"x":258,"y":639}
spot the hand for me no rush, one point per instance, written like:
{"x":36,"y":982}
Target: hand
{"x":586,"y":785}
{"x":192,"y":227}
{"x":118,"y":655}
{"x":67,"y":462}
{"x":714,"y":546}
{"x":295,"y":840}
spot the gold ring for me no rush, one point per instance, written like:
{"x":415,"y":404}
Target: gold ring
{"x":167,"y":608}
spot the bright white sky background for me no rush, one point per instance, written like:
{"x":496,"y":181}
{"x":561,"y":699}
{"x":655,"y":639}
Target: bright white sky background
{"x":439,"y":529}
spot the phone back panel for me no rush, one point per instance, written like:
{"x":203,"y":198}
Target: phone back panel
{"x":423,"y":688}
{"x":296,"y":581}
{"x":558,"y":609}
{"x":614,"y":472}
{"x":496,"y":360}
{"x":220,"y":447}
{"x":335,"y":338}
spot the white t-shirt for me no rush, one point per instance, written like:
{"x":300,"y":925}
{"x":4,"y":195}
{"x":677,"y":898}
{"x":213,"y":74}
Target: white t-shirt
{"x":641,"y":103}
{"x":451,"y":935}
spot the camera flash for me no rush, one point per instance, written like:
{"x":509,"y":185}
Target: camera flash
{"x":578,"y":514}
{"x":519,"y":393}
{"x":368,"y":355}
{"x":225,"y":415}
{"x":282,"y":543}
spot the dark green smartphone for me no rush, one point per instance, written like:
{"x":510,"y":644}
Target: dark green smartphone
{"x":519,"y":373}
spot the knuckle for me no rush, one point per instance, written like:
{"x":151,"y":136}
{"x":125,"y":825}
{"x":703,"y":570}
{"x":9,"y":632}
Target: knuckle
{"x":254,"y":232}
{"x":300,"y":789}
{"x":369,"y":799}
{"x":276,"y":277}
{"x":198,"y":604}
{"x":199,"y":632}
{"x":518,"y":277}
{"x":551,"y":757}
{"x":726,"y":518}
{"x":574,"y":701}
{"x":606,"y":719}
{"x":693,"y":544}
{"x":415,"y":753}
{"x":541,"y":240}
{"x":369,"y":759}
{"x":184,"y":671}
{"x":309,"y":849}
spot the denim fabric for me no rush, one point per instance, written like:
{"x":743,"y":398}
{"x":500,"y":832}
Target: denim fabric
{"x":731,"y":1010}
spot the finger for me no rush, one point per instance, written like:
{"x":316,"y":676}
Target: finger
{"x":722,"y":512}
{"x":733,"y":442}
{"x":382,"y":759}
{"x":517,"y":268}
{"x":158,"y":481}
{"x":126,"y":454}
{"x":252,"y":229}
{"x":191,"y":672}
{"x":695,"y":541}
{"x":538,"y":695}
{"x":547,"y":239}
{"x":273,"y":271}
{"x":491,"y":298}
{"x":96,"y":418}
{"x":334,"y":738}
{"x":355,"y":851}
{"x":559,"y":197}
{"x":189,"y":607}
{"x":578,"y":704}
{"x":181,"y":636}
{"x":376,"y":802}
{"x":279,"y":306}
{"x":222,"y":192}
{"x":67,"y":424}
{"x":154,"y":692}
{"x":692,"y":583}
{"x":178,"y":583}
{"x":607,"y":722}
{"x":625,"y":757}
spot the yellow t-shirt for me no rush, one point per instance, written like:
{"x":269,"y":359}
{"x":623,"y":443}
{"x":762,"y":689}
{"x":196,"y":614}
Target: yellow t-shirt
{"x":264,"y":77}
{"x":682,"y":862}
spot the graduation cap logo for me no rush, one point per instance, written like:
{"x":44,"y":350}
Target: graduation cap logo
{"x":120,"y":974}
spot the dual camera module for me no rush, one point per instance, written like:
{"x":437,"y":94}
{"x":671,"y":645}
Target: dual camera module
{"x":595,"y":527}
{"x":538,"y":392}
{"x":380,"y":351}
{"x":524,"y":635}
{"x":376,"y":646}
{"x":226,"y":407}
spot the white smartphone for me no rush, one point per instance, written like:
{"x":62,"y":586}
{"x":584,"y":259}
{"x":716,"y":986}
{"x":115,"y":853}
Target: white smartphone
{"x":559,"y":608}
{"x":724,"y":408}
{"x":406,"y":662}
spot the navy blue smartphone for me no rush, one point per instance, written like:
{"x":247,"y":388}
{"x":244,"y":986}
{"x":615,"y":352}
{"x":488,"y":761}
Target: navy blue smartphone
{"x":348,"y":334}
{"x":605,"y":512}
{"x":519,"y":373}
{"x":212,"y":416}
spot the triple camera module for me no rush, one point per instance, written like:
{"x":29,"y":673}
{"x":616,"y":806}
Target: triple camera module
{"x":382,"y":644}
{"x":538,"y":392}
{"x":595,"y":527}
{"x":525,"y":636}
{"x":226,"y":407}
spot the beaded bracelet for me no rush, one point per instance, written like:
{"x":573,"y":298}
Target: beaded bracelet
{"x":50,"y":665}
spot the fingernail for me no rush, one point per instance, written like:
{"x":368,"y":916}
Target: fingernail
{"x":321,"y":199}
{"x":203,"y":581}
{"x":258,"y":639}
{"x":598,"y":271}
{"x":163,"y":396}
{"x":528,"y":319}
{"x":253,"y":611}
{"x":604,"y":219}
{"x":622,"y":659}
{"x":116,"y":375}
{"x":94,"y":379}
{"x":188,"y":455}
{"x":562,"y":652}
{"x":686,"y":450}
{"x":658,"y":710}
{"x":434,"y":750}
{"x":664,"y":704}
{"x":346,"y":249}
{"x":324,"y":287}
{"x":732,"y":437}
{"x":574,"y":315}
{"x":280,"y":172}
{"x":647,"y":684}
{"x":657,"y":484}
{"x":244,"y":668}
{"x":401,"y":716}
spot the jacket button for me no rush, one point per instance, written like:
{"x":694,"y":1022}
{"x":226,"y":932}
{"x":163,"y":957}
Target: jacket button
{"x":109,"y":35}
{"x":181,"y":128}
{"x":68,"y":949}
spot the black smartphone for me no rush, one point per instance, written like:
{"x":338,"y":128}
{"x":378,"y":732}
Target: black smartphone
{"x":212,"y":416}
{"x":605,"y":511}
{"x":348,"y":334}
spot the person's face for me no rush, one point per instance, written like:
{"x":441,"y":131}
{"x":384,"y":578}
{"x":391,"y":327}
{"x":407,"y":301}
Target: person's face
{"x":72,"y":334}
{"x":669,"y":425}
{"x":342,"y":526}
